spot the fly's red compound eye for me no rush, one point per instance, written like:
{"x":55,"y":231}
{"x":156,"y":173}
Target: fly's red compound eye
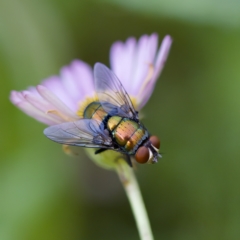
{"x":142,"y":155}
{"x":155,"y":141}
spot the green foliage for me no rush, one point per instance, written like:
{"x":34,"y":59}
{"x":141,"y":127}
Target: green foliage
{"x":219,"y":13}
{"x":193,"y":192}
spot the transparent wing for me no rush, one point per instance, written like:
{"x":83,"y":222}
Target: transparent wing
{"x":84,"y":133}
{"x":112,"y":94}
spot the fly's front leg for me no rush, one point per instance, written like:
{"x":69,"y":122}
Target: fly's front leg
{"x":100,"y":150}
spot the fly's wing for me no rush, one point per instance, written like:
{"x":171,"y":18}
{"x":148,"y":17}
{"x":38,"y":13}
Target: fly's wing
{"x":111,"y":93}
{"x":83,"y":133}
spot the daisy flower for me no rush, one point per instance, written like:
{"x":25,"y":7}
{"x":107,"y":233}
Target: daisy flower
{"x":62,"y":98}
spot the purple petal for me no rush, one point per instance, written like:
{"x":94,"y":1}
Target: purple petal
{"x":34,"y":113}
{"x":84,"y":76}
{"x":160,"y":62}
{"x":141,"y":66}
{"x":16,"y":97}
{"x":77,"y":80}
{"x":162,"y":55}
{"x":122,"y":58}
{"x":147,"y":53}
{"x":130,"y":61}
{"x":37,"y":101}
{"x":18,"y":100}
{"x":55,"y":101}
{"x":69,"y":83}
{"x":54,"y":84}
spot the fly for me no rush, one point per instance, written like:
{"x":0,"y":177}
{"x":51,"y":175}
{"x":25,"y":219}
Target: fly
{"x":111,"y":123}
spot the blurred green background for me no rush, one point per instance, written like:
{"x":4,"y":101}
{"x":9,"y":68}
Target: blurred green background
{"x":193,"y":192}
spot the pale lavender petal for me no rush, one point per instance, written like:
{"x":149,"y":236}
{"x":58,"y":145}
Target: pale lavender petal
{"x":69,"y":83}
{"x":146,"y":56}
{"x":37,"y":101}
{"x":84,"y":76}
{"x":38,"y":115}
{"x":16,"y":97}
{"x":55,"y":101}
{"x":116,"y":56}
{"x":160,"y":62}
{"x":77,"y":79}
{"x":122,"y":58}
{"x":35,"y":108}
{"x":55,"y":85}
{"x":162,"y":55}
{"x":152,"y":47}
{"x":140,"y":66}
{"x":18,"y":100}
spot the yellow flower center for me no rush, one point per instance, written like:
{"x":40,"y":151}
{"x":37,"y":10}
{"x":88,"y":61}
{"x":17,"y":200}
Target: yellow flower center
{"x":83,"y":105}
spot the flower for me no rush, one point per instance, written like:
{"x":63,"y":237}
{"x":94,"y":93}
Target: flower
{"x":61,"y":98}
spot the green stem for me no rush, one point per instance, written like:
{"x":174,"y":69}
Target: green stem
{"x":132,"y":190}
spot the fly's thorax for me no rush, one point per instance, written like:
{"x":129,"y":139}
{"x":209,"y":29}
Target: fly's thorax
{"x":113,"y":122}
{"x":136,"y":139}
{"x":127,"y":133}
{"x":95,"y":111}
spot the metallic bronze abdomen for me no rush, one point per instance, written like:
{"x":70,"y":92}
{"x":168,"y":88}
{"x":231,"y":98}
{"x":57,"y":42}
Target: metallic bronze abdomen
{"x":127,"y":133}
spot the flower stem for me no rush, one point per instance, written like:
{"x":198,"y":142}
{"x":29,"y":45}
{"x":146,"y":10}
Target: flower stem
{"x":132,"y":190}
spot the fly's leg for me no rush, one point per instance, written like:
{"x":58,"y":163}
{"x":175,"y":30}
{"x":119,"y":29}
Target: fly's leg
{"x":128,"y":160}
{"x":100,"y":150}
